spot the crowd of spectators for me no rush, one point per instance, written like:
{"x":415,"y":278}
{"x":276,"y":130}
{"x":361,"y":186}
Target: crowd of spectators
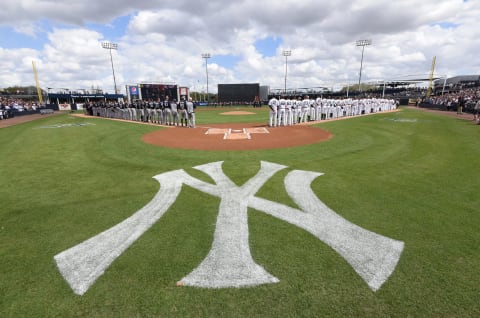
{"x":450,"y":101}
{"x":11,"y":106}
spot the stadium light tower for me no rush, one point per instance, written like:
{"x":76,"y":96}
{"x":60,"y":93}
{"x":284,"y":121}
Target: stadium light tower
{"x":286,"y":53}
{"x":206,"y":56}
{"x":363,"y":44}
{"x":111,"y":46}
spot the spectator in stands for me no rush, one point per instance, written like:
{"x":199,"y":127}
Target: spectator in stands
{"x":476,"y":113}
{"x":460,"y":104}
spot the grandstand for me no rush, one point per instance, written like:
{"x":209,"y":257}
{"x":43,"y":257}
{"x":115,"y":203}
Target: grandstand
{"x":456,"y":83}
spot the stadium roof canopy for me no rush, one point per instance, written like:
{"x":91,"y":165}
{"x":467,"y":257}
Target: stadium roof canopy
{"x":406,"y":82}
{"x":462,"y":79}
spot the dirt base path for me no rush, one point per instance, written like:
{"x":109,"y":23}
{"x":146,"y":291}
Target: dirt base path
{"x":246,"y":136}
{"x":23,"y":119}
{"x":236,"y":137}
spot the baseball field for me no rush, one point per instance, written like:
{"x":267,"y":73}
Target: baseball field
{"x":378,"y":219}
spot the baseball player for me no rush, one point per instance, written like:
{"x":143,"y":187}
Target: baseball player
{"x":138,"y":108}
{"x":282,"y":104}
{"x":144,"y":111}
{"x":296,"y":107}
{"x":288,"y":112}
{"x":167,"y":112}
{"x":149,"y":112}
{"x":174,"y":110}
{"x":299,"y":110}
{"x":160,"y":111}
{"x":273,"y":104}
{"x":182,"y":110}
{"x":312,"y":113}
{"x":318,"y":108}
{"x":305,"y":109}
{"x":191,"y":113}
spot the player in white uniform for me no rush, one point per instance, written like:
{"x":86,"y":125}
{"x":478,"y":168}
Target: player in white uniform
{"x":191,"y":113}
{"x":312,"y":113}
{"x":273,"y":105}
{"x":295,"y":109}
{"x":288,"y":112}
{"x":305,"y":109}
{"x":299,"y":104}
{"x":333,"y":109}
{"x":338,"y":110}
{"x":318,"y":108}
{"x":282,"y":104}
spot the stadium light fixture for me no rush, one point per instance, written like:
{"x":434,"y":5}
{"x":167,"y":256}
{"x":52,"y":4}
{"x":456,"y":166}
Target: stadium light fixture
{"x":206,"y":56}
{"x":286,"y":53}
{"x":111,"y":46}
{"x":363,"y":44}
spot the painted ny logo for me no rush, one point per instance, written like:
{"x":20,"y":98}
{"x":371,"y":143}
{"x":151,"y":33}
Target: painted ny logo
{"x":229,"y":262}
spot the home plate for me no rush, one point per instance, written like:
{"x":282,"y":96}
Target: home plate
{"x":236,"y":134}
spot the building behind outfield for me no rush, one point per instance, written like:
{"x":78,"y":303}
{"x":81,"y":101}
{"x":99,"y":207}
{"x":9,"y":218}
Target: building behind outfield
{"x":246,"y":92}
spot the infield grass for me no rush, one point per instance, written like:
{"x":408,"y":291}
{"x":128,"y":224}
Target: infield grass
{"x":409,"y":175}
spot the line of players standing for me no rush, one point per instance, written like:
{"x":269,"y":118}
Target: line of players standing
{"x":286,"y":112}
{"x":166,"y":112}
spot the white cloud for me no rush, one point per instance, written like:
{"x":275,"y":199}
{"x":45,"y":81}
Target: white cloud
{"x":163,"y":40}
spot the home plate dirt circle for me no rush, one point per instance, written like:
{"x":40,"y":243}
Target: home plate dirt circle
{"x":236,"y":137}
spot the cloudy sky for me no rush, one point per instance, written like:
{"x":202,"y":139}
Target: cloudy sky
{"x":163,"y":40}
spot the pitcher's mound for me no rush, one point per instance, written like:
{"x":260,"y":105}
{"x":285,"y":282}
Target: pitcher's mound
{"x":236,"y":137}
{"x":238,"y":112}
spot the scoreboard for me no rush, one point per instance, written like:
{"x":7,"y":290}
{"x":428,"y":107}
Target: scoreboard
{"x":155,"y":92}
{"x":247,"y":92}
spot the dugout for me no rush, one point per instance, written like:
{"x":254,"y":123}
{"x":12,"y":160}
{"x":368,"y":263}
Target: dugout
{"x":73,"y":100}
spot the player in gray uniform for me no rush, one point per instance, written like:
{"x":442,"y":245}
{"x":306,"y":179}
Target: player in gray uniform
{"x":167,"y":111}
{"x":174,"y":110}
{"x":191,"y":113}
{"x":143,"y":108}
{"x":155,"y":113}
{"x":131,"y":111}
{"x":160,"y":112}
{"x":182,"y":110}
{"x":138,"y":108}
{"x":149,"y":112}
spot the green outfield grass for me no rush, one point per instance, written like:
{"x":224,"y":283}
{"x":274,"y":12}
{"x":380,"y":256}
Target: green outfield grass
{"x":412,"y":176}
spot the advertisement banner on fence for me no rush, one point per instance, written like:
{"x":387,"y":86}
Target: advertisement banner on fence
{"x":64,"y":107}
